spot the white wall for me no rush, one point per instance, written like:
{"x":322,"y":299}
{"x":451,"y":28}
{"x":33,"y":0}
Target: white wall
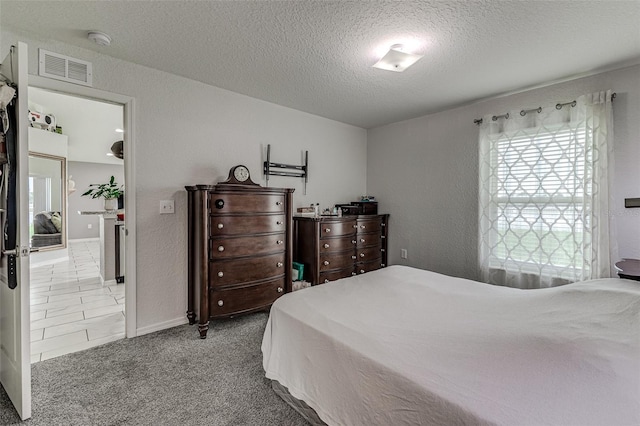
{"x":85,"y":174}
{"x":45,"y":142}
{"x":190,"y":133}
{"x":424,"y":172}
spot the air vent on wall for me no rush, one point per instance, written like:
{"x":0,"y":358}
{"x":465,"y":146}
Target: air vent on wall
{"x":65,"y":68}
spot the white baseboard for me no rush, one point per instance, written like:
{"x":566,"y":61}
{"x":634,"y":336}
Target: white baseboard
{"x":161,"y":326}
{"x":108,"y":282}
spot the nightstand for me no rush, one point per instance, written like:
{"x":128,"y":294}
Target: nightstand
{"x":629,"y":268}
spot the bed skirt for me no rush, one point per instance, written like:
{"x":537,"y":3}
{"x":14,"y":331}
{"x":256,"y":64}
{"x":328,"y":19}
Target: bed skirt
{"x":301,"y":407}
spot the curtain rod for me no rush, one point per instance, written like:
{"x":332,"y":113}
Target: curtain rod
{"x":524,"y":112}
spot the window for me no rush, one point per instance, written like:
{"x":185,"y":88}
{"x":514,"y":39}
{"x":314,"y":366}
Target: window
{"x":539,"y":193}
{"x":544,"y":197}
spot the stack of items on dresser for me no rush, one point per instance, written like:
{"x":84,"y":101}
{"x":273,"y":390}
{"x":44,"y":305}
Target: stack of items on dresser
{"x":366,"y":205}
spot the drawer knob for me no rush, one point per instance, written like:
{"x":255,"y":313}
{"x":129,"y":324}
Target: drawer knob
{"x":278,"y":203}
{"x":354,"y":242}
{"x":280,"y":290}
{"x":382,"y":250}
{"x":362,"y":271}
{"x":279,"y":222}
{"x":361,"y":254}
{"x":326,"y":280}
{"x":325,"y":263}
{"x":220,"y":248}
{"x":362,"y":240}
{"x":221,"y":274}
{"x":353,"y":274}
{"x":353,"y":257}
{"x":279,"y":264}
{"x":383,"y":224}
{"x":220,"y":225}
{"x":382,"y":236}
{"x":279,"y":242}
{"x":355,"y":226}
{"x":326,"y":246}
{"x":362,"y":226}
{"x":220,"y":303}
{"x":219,"y":203}
{"x":327,"y":229}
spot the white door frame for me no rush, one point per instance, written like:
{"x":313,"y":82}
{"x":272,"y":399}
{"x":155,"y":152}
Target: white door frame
{"x":129,"y":178}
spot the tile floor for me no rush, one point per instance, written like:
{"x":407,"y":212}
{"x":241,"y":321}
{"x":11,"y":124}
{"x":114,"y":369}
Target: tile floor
{"x":70,"y":308}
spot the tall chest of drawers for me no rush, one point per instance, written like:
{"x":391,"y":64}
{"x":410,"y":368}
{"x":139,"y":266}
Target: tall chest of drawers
{"x":240,"y":250}
{"x":338,"y":247}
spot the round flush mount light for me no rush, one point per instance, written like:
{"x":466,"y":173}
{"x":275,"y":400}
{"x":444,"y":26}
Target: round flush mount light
{"x":99,"y":38}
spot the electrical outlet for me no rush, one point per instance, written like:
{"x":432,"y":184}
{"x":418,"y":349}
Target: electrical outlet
{"x":166,"y":207}
{"x":403,"y":253}
{"x":89,"y":226}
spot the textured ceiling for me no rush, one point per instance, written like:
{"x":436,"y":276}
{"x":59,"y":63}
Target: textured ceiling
{"x":317,"y":56}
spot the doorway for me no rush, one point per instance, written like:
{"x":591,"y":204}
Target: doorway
{"x":77,"y":295}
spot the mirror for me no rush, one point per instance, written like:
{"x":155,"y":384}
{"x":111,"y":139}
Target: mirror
{"x":47,"y":201}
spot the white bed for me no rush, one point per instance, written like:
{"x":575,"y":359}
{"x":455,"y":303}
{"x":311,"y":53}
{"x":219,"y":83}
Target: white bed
{"x":403,"y":346}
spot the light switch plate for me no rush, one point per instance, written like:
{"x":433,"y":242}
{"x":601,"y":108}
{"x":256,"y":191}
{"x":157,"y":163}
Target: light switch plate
{"x":166,"y":206}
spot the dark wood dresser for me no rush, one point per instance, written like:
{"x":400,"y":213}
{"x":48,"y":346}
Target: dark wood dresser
{"x":337,"y":247}
{"x":240,"y":250}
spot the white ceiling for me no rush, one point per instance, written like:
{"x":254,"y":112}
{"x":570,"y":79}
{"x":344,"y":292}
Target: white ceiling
{"x":317,"y":56}
{"x":90,"y":125}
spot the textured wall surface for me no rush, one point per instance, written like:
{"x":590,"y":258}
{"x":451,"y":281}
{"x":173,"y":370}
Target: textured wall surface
{"x":425,"y":173}
{"x":189,"y":133}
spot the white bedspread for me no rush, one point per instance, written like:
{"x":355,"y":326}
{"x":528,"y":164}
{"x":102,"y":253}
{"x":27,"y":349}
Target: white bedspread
{"x":403,"y":346}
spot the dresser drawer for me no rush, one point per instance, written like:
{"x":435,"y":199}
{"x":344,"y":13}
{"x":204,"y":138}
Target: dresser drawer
{"x":369,"y":225}
{"x":330,"y":261}
{"x":226,"y":247}
{"x":237,"y":300}
{"x":368,"y":240}
{"x":368,"y":254}
{"x":246,"y":203}
{"x":362,"y":268}
{"x":229,"y":272}
{"x":325,"y":277}
{"x":336,"y":229}
{"x":328,"y":245}
{"x":255,"y":224}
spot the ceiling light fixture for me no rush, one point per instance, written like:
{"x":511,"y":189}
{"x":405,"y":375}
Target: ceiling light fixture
{"x":119,"y":131}
{"x":99,"y":38}
{"x":397,"y":60}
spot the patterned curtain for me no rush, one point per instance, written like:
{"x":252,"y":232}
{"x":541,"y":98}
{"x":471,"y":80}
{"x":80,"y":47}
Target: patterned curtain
{"x":544,"y":194}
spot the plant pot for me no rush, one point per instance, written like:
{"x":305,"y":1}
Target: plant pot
{"x":111,"y":204}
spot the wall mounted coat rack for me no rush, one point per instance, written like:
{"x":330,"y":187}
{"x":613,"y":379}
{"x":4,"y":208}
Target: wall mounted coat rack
{"x":287,"y":169}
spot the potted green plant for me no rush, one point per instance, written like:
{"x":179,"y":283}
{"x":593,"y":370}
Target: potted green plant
{"x":109,"y":191}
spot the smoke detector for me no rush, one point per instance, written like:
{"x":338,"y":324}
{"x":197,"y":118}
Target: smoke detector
{"x":99,"y":38}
